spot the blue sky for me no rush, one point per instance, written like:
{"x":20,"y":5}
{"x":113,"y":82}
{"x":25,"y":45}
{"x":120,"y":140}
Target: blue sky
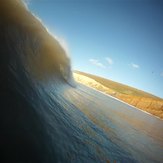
{"x":118,"y":39}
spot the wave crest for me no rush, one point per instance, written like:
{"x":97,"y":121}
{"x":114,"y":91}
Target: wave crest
{"x":25,"y":38}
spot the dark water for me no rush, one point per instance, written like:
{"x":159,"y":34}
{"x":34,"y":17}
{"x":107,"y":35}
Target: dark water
{"x":45,"y":117}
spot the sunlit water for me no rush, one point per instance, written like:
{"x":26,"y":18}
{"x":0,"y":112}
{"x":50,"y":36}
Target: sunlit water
{"x":131,"y":130}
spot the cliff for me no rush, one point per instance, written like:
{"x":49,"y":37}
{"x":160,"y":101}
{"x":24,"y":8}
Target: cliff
{"x":132,"y":96}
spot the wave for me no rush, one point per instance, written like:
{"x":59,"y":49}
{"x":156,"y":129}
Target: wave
{"x":30,"y":57}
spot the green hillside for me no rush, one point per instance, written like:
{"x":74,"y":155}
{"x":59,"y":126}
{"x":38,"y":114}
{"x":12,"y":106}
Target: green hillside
{"x":118,"y":87}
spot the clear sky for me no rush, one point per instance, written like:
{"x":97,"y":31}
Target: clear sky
{"x":117,"y":39}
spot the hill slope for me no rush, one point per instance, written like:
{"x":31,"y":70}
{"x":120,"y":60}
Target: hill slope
{"x":132,"y":96}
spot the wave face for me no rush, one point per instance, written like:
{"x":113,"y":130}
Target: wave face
{"x":30,"y":57}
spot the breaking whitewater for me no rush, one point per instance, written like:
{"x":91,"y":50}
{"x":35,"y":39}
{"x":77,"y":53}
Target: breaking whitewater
{"x":44,"y":115}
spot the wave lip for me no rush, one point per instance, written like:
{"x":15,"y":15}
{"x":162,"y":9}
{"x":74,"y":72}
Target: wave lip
{"x":27,"y":39}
